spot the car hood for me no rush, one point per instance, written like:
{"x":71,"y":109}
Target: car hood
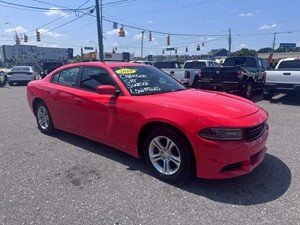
{"x":207,"y":103}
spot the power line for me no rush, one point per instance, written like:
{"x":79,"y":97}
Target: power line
{"x":40,"y":8}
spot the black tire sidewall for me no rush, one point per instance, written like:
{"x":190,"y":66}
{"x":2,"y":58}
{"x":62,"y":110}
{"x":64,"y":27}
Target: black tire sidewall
{"x":50,"y":128}
{"x":185,"y":170}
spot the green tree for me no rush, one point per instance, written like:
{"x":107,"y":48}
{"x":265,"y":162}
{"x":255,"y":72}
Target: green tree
{"x":244,"y":52}
{"x":265,"y":50}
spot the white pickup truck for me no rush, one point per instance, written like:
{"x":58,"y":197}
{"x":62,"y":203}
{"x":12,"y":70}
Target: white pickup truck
{"x":284,"y":79}
{"x":190,"y":72}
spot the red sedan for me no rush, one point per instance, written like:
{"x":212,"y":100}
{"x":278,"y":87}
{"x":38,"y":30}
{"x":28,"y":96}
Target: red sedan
{"x":146,"y":113}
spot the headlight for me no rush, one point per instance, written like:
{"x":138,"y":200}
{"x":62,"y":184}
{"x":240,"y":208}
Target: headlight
{"x":222,"y":134}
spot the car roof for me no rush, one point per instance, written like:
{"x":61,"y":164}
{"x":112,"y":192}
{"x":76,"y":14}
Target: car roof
{"x":108,"y":64}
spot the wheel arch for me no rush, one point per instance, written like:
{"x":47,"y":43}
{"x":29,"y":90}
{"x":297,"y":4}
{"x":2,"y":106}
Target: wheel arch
{"x":147,"y":128}
{"x":35,"y":103}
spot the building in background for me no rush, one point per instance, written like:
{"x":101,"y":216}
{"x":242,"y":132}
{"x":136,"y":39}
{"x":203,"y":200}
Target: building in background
{"x":33,"y":55}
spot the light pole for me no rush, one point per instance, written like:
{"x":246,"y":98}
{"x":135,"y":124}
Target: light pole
{"x":99,"y":29}
{"x":142,"y":45}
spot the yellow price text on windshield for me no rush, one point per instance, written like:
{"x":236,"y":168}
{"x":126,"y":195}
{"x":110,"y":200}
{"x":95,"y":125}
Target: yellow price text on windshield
{"x":125,"y":71}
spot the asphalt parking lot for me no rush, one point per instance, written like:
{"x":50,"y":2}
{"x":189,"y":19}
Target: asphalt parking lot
{"x":66,"y":179}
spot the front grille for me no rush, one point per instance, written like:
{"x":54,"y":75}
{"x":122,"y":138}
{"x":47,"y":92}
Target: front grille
{"x":254,"y":132}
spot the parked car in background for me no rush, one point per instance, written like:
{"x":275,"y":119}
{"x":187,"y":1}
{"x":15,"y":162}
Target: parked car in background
{"x":189,"y":73}
{"x":3,"y":78}
{"x":168,"y":64}
{"x":147,"y":113}
{"x":22,"y":74}
{"x":237,"y":74}
{"x":192,"y":70}
{"x":284,"y":79}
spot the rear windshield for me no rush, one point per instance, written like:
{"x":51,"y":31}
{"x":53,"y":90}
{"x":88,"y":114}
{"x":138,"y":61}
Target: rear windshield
{"x":194,"y":65}
{"x":20,"y":69}
{"x":240,"y":61}
{"x":291,"y":64}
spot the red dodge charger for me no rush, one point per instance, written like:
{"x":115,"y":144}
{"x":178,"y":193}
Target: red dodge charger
{"x":147,"y":113}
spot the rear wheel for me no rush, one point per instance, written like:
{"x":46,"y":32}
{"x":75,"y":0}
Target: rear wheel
{"x":43,"y":118}
{"x":168,"y":155}
{"x":11,"y":83}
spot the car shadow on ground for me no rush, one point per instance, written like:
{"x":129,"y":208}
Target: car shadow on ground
{"x":267,"y":183}
{"x":283,"y":99}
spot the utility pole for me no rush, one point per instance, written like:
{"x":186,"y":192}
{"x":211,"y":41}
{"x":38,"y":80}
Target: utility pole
{"x":142,"y":45}
{"x":99,"y":29}
{"x":274,"y":42}
{"x":229,"y":42}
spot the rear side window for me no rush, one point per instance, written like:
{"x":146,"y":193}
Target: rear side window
{"x":66,"y":77}
{"x":194,"y":65}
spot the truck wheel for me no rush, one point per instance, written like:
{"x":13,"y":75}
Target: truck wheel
{"x":268,"y":96}
{"x":247,"y":90}
{"x":195,"y":83}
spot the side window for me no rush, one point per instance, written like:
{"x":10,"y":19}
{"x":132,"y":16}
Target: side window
{"x":211,"y":64}
{"x":66,"y":77}
{"x":93,"y":77}
{"x":55,"y":78}
{"x":259,"y":63}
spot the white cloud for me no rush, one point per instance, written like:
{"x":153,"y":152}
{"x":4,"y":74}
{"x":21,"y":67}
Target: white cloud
{"x":53,"y":11}
{"x":232,"y":10}
{"x":243,"y":46}
{"x":267,"y":27}
{"x":114,"y":32}
{"x":45,"y":32}
{"x":138,"y":36}
{"x":149,"y":21}
{"x":246,"y":14}
{"x":115,"y":44}
{"x":18,"y":29}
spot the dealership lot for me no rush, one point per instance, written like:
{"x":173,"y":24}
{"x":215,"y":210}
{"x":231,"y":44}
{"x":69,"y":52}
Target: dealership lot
{"x":66,"y":179}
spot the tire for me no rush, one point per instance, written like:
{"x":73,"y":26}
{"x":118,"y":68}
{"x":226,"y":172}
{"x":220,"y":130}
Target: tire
{"x":10,"y":83}
{"x":247,"y":90}
{"x":195,"y":82}
{"x":268,"y":96}
{"x":43,"y":118}
{"x":168,"y":155}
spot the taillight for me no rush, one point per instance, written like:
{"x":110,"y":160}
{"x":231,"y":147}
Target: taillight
{"x":264,"y":77}
{"x":187,"y":74}
{"x":239,"y":74}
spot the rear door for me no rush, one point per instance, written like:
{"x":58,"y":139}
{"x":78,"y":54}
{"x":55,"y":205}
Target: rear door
{"x":61,"y":98}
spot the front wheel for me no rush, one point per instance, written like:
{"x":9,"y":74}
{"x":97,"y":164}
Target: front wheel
{"x":168,"y":155}
{"x":43,"y":118}
{"x":247,"y":90}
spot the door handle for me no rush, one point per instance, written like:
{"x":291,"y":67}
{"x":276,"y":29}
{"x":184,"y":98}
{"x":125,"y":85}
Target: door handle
{"x":48,"y":92}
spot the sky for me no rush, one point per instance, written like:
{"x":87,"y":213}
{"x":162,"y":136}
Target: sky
{"x":254,"y":24}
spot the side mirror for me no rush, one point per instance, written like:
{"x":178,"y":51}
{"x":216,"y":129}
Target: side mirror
{"x":106,"y":90}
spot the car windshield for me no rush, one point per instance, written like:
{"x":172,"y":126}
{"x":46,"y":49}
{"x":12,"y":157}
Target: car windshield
{"x":20,"y":69}
{"x":146,"y":80}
